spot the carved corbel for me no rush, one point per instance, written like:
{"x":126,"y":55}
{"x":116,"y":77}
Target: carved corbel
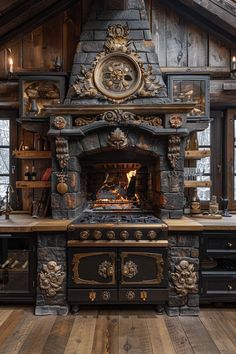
{"x":62,"y":152}
{"x":174,"y":149}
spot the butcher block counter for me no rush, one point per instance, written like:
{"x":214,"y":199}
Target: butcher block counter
{"x":25,"y":223}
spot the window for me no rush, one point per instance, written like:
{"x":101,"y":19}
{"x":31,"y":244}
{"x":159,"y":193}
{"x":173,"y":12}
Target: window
{"x":204,"y":165}
{"x":4,"y":155}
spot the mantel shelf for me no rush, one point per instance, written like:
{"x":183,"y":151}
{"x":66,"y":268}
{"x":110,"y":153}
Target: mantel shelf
{"x":197,"y":154}
{"x":195,"y":184}
{"x":31,"y":154}
{"x":33,"y":184}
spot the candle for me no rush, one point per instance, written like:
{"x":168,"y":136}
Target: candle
{"x":234,"y":63}
{"x":10,"y":65}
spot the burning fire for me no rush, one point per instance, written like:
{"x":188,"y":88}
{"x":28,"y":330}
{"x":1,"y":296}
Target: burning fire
{"x":129,"y":175}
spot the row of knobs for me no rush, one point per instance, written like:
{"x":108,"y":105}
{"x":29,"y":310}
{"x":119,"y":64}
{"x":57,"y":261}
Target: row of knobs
{"x":124,"y":235}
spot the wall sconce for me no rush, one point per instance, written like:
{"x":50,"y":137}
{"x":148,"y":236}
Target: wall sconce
{"x":233,"y":67}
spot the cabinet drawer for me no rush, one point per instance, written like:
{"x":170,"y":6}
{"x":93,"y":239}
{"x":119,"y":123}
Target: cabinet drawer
{"x":92,"y":296}
{"x":134,"y":295}
{"x":221,"y":246}
{"x":220,"y":284}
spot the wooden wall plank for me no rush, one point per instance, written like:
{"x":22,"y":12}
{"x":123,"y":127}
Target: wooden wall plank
{"x":219,"y":55}
{"x":197,"y":46}
{"x":32,"y":50}
{"x":176,"y":37}
{"x":52,"y":41}
{"x":159,"y":31}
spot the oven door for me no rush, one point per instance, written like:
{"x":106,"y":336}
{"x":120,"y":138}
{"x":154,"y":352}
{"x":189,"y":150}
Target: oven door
{"x":146,"y":268}
{"x":91,"y":268}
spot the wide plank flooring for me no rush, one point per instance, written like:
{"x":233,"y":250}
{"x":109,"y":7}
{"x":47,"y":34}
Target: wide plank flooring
{"x":103,"y":331}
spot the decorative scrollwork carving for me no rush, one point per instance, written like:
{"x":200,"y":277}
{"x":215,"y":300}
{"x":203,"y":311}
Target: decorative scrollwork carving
{"x":51,"y":278}
{"x":117,"y":73}
{"x":118,"y":115}
{"x":80,"y":121}
{"x":185,"y":278}
{"x":130,"y":269}
{"x":105,"y":269}
{"x":59,"y":122}
{"x":117,"y":139}
{"x":174,"y":149}
{"x":62,"y":152}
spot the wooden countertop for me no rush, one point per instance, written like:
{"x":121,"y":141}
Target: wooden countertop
{"x":25,"y":223}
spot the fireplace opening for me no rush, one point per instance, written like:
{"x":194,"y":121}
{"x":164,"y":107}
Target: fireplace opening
{"x":121,"y":182}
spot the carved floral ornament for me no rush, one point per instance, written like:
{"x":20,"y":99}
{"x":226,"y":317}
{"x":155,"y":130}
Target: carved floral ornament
{"x":185,"y":278}
{"x":176,"y":121}
{"x":117,"y":116}
{"x":117,"y":73}
{"x":59,"y":122}
{"x":51,"y":278}
{"x":117,"y":139}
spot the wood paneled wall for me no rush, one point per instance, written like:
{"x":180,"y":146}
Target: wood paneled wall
{"x":181,"y":44}
{"x":38,"y":49}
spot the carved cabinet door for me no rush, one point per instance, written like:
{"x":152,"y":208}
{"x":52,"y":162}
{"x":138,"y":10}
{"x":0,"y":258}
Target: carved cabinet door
{"x":143,"y":268}
{"x":91,"y":268}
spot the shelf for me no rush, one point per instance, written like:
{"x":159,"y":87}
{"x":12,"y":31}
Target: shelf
{"x":33,"y":184}
{"x":197,"y":154}
{"x":195,"y":184}
{"x":31,"y":154}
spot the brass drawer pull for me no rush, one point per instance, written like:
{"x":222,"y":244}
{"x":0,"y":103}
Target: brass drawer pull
{"x":92,"y":295}
{"x":229,"y":245}
{"x":229,"y":287}
{"x":143,"y":295}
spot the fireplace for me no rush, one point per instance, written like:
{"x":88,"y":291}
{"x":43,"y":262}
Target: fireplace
{"x":118,"y":160}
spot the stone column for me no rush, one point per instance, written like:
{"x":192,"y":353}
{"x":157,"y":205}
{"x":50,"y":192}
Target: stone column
{"x":183,"y":275}
{"x":51,"y":274}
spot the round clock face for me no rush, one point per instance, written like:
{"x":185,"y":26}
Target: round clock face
{"x":117,"y":76}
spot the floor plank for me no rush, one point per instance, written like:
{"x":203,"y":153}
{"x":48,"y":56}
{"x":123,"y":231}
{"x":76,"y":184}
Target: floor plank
{"x":38,"y":335}
{"x":160,"y":338}
{"x":117,"y":332}
{"x":179,"y":339}
{"x":217,"y":332}
{"x":9,"y":325}
{"x":82,"y":334}
{"x":59,"y":334}
{"x":198,"y":336}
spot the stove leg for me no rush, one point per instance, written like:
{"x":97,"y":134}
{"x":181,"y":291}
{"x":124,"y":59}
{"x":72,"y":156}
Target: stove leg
{"x":159,"y":309}
{"x":75,"y":309}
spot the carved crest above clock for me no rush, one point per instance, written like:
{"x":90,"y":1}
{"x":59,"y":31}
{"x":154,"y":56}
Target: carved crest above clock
{"x":117,"y":73}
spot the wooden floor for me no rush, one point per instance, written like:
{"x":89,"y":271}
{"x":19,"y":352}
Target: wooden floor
{"x":117,"y":331}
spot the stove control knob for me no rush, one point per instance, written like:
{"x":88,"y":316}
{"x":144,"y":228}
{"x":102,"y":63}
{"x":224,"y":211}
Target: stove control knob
{"x":97,"y":235}
{"x":111,"y":235}
{"x":124,"y":235}
{"x":138,"y":235}
{"x":84,"y":235}
{"x":152,"y":235}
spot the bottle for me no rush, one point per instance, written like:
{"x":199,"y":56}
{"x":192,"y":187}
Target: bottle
{"x":195,"y":204}
{"x":33,"y":174}
{"x":27,"y":176}
{"x":213,"y":205}
{"x":186,"y":207}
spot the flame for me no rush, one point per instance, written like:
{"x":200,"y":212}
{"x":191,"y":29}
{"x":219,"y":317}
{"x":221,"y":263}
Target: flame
{"x":10,"y":61}
{"x":130,"y":174}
